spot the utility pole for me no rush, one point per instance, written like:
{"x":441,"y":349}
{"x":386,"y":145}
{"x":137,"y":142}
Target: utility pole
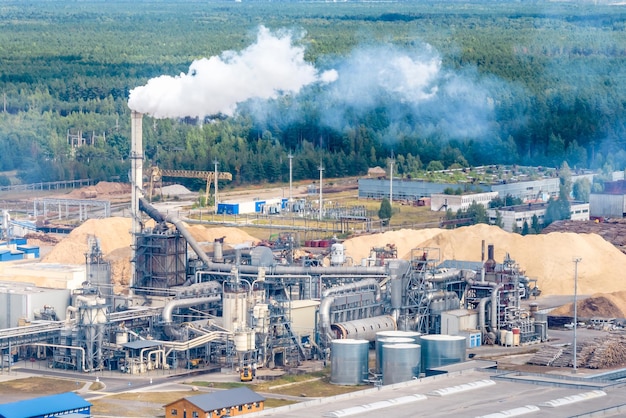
{"x":321,"y":169}
{"x":576,"y":261}
{"x":215,"y":163}
{"x":290,"y":156}
{"x":391,"y":179}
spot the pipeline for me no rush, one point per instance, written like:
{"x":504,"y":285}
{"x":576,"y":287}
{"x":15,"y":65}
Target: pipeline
{"x":495,"y":292}
{"x":311,"y":270}
{"x":328,"y":299}
{"x":169,"y":328}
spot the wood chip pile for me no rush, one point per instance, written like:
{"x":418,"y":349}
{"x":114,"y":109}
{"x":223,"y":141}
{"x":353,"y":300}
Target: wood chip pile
{"x":546,"y":257}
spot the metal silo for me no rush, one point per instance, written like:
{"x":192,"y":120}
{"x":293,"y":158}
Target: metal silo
{"x":381,"y":341}
{"x":440,"y":350}
{"x":349,"y":362}
{"x":401,"y":362}
{"x":399,"y":334}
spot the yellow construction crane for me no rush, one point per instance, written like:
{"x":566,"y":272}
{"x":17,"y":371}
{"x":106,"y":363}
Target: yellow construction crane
{"x":156,"y":174}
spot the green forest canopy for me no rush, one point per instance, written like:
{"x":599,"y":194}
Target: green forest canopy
{"x":518,"y":83}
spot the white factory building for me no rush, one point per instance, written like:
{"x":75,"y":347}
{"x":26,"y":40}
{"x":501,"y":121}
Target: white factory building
{"x":440,"y":201}
{"x":517,"y":215}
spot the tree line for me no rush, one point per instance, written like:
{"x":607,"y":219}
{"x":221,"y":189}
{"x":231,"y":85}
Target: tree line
{"x":555,"y":72}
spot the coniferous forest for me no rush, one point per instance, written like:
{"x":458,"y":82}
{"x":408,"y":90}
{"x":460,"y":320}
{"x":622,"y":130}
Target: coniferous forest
{"x":433,"y":84}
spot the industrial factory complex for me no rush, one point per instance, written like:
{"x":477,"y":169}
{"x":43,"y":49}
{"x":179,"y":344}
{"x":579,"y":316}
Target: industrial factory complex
{"x":241,"y":309}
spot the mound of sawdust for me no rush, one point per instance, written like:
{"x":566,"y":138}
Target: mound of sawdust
{"x":114,"y":235}
{"x":604,"y":305}
{"x":103,"y":188}
{"x":231,"y":235}
{"x":548,"y":258}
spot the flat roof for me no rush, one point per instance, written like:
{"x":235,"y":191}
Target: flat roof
{"x":138,"y":344}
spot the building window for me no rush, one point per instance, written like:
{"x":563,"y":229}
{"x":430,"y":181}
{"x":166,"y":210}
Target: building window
{"x":194,"y":414}
{"x":174,"y":412}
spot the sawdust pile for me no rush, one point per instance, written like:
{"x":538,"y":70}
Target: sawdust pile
{"x":114,"y":235}
{"x":103,"y":188}
{"x":604,"y":305}
{"x":548,"y":258}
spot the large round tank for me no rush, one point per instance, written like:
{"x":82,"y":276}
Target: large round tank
{"x":234,"y":310}
{"x":400,"y":334}
{"x":401,"y":362}
{"x":440,"y":350}
{"x":349,"y":362}
{"x":381,"y":341}
{"x":244,"y":340}
{"x":337,"y":255}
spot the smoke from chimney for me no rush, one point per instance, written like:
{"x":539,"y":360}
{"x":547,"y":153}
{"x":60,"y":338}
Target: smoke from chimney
{"x":265,"y":70}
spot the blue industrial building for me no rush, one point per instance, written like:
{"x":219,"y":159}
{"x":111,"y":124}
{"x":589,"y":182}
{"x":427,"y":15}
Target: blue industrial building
{"x":47,"y":406}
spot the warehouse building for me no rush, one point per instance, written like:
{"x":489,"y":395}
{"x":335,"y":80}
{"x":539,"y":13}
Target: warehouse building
{"x":515,"y":216}
{"x":64,"y":404}
{"x":453,"y":202}
{"x":611,"y":203}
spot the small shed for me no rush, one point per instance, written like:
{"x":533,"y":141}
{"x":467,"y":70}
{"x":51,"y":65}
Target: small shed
{"x":377,"y":172}
{"x":63,"y":404}
{"x":224,"y":403}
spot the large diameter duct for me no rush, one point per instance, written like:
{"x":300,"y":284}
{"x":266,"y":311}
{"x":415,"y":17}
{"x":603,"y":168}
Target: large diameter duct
{"x":328,"y":298}
{"x":166,"y":315}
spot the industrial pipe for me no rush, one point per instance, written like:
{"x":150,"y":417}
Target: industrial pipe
{"x":328,"y":300}
{"x":182,"y":303}
{"x":310,"y":270}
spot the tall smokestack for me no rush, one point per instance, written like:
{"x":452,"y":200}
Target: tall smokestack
{"x":136,"y":181}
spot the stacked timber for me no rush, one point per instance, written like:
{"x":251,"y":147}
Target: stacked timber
{"x":546,"y":356}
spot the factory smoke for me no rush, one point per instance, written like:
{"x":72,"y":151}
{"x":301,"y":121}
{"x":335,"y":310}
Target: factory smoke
{"x":270,"y":67}
{"x":409,"y":88}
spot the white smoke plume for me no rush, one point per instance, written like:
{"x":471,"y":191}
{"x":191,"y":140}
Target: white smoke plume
{"x":410,"y":84}
{"x":407,"y":88}
{"x":265,"y":70}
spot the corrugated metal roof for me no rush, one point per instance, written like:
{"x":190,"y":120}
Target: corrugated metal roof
{"x":225,"y":398}
{"x":45,"y":405}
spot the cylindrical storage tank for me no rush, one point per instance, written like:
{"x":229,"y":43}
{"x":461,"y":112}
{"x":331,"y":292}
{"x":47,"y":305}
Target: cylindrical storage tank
{"x":401,"y":362}
{"x":337,"y":255}
{"x":399,"y":334}
{"x":441,"y":350}
{"x":234,"y":310}
{"x":244,"y":341}
{"x":516,"y":336}
{"x":502,"y":337}
{"x":381,"y":341}
{"x":349,"y":362}
{"x":508,"y":341}
{"x":121,"y":338}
